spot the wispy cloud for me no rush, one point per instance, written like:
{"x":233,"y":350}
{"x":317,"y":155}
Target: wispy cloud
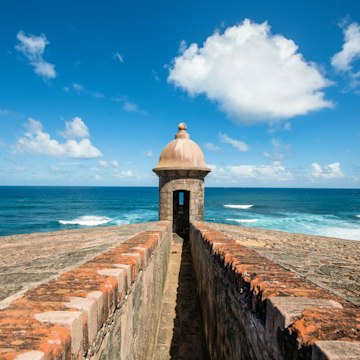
{"x":19,"y":168}
{"x":118,"y":57}
{"x":80,"y":89}
{"x":342,"y":61}
{"x":97,"y":94}
{"x":211,"y":147}
{"x":37,"y":141}
{"x":77,"y":87}
{"x":119,"y":99}
{"x":254,"y":75}
{"x":237,"y":144}
{"x":55,"y":168}
{"x":155,"y":75}
{"x":129,"y":106}
{"x":279,"y":151}
{"x":33,"y":48}
{"x":132,"y":107}
{"x":148,"y":153}
{"x":274,"y":127}
{"x":103,"y":163}
{"x":5,"y":113}
{"x":108,"y":163}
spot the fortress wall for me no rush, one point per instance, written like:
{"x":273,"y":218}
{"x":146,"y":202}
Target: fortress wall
{"x":253,"y":308}
{"x":106,"y":308}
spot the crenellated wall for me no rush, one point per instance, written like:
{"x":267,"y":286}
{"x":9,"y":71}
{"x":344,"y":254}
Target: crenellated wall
{"x":106,"y":308}
{"x":101,"y":291}
{"x":253,"y":308}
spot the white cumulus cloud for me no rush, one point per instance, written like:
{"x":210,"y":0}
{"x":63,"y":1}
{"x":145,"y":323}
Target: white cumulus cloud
{"x":330,"y":171}
{"x":342,"y":61}
{"x":114,"y":163}
{"x":254,"y":75}
{"x":105,"y":163}
{"x":275,"y":171}
{"x":37,"y":141}
{"x":125,"y":174}
{"x":220,"y":174}
{"x":76,"y":128}
{"x":237,"y":144}
{"x":33,"y":48}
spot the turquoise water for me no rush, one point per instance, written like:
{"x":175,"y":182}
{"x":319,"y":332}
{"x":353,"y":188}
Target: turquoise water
{"x":329,"y":212}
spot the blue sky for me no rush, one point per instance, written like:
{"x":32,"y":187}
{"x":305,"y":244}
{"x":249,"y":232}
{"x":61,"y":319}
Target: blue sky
{"x":91,"y":91}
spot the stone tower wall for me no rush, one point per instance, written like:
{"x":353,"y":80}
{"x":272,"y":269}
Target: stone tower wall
{"x":192,"y":183}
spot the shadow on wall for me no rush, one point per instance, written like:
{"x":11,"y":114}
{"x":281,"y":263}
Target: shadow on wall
{"x":188,"y":340}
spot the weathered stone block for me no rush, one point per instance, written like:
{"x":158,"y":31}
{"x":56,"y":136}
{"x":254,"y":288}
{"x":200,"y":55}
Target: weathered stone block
{"x":336,"y":350}
{"x":31,"y":355}
{"x":90,"y":310}
{"x":73,"y":320}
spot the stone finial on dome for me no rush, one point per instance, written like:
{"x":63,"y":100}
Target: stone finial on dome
{"x":182,"y":133}
{"x":182,"y":126}
{"x":182,"y":154}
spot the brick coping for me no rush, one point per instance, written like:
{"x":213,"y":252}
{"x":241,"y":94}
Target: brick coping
{"x":331,"y":263}
{"x":61,"y":318}
{"x":307,"y":315}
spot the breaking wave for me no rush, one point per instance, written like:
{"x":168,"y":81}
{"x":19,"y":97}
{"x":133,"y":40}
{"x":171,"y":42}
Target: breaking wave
{"x":312,"y":224}
{"x":243,"y":220}
{"x":238,"y":206}
{"x":342,"y":233}
{"x":88,"y":220}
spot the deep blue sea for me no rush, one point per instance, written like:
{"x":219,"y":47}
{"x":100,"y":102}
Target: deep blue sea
{"x":329,"y":212}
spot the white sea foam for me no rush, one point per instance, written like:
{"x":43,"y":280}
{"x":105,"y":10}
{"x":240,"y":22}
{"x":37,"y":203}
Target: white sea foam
{"x":121,"y":222}
{"x":343,"y":233}
{"x":89,"y":220}
{"x":325,"y":225}
{"x":358,"y":216}
{"x":243,"y":220}
{"x":135,"y":217}
{"x":238,"y":206}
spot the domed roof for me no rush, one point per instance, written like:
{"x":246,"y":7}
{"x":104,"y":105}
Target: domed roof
{"x":182,"y":153}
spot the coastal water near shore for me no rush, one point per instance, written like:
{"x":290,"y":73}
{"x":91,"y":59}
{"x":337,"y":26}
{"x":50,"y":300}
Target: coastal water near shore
{"x":327,"y":212}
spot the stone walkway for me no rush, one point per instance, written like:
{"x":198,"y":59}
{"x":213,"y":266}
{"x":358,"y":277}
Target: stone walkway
{"x":331,"y":263}
{"x":31,"y":259}
{"x":180,"y":333}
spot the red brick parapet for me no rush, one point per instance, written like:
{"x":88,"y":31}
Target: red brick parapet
{"x":61,"y":319}
{"x":279,"y":314}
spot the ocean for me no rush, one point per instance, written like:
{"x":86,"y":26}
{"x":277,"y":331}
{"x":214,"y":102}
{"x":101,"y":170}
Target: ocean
{"x":328,"y":212}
